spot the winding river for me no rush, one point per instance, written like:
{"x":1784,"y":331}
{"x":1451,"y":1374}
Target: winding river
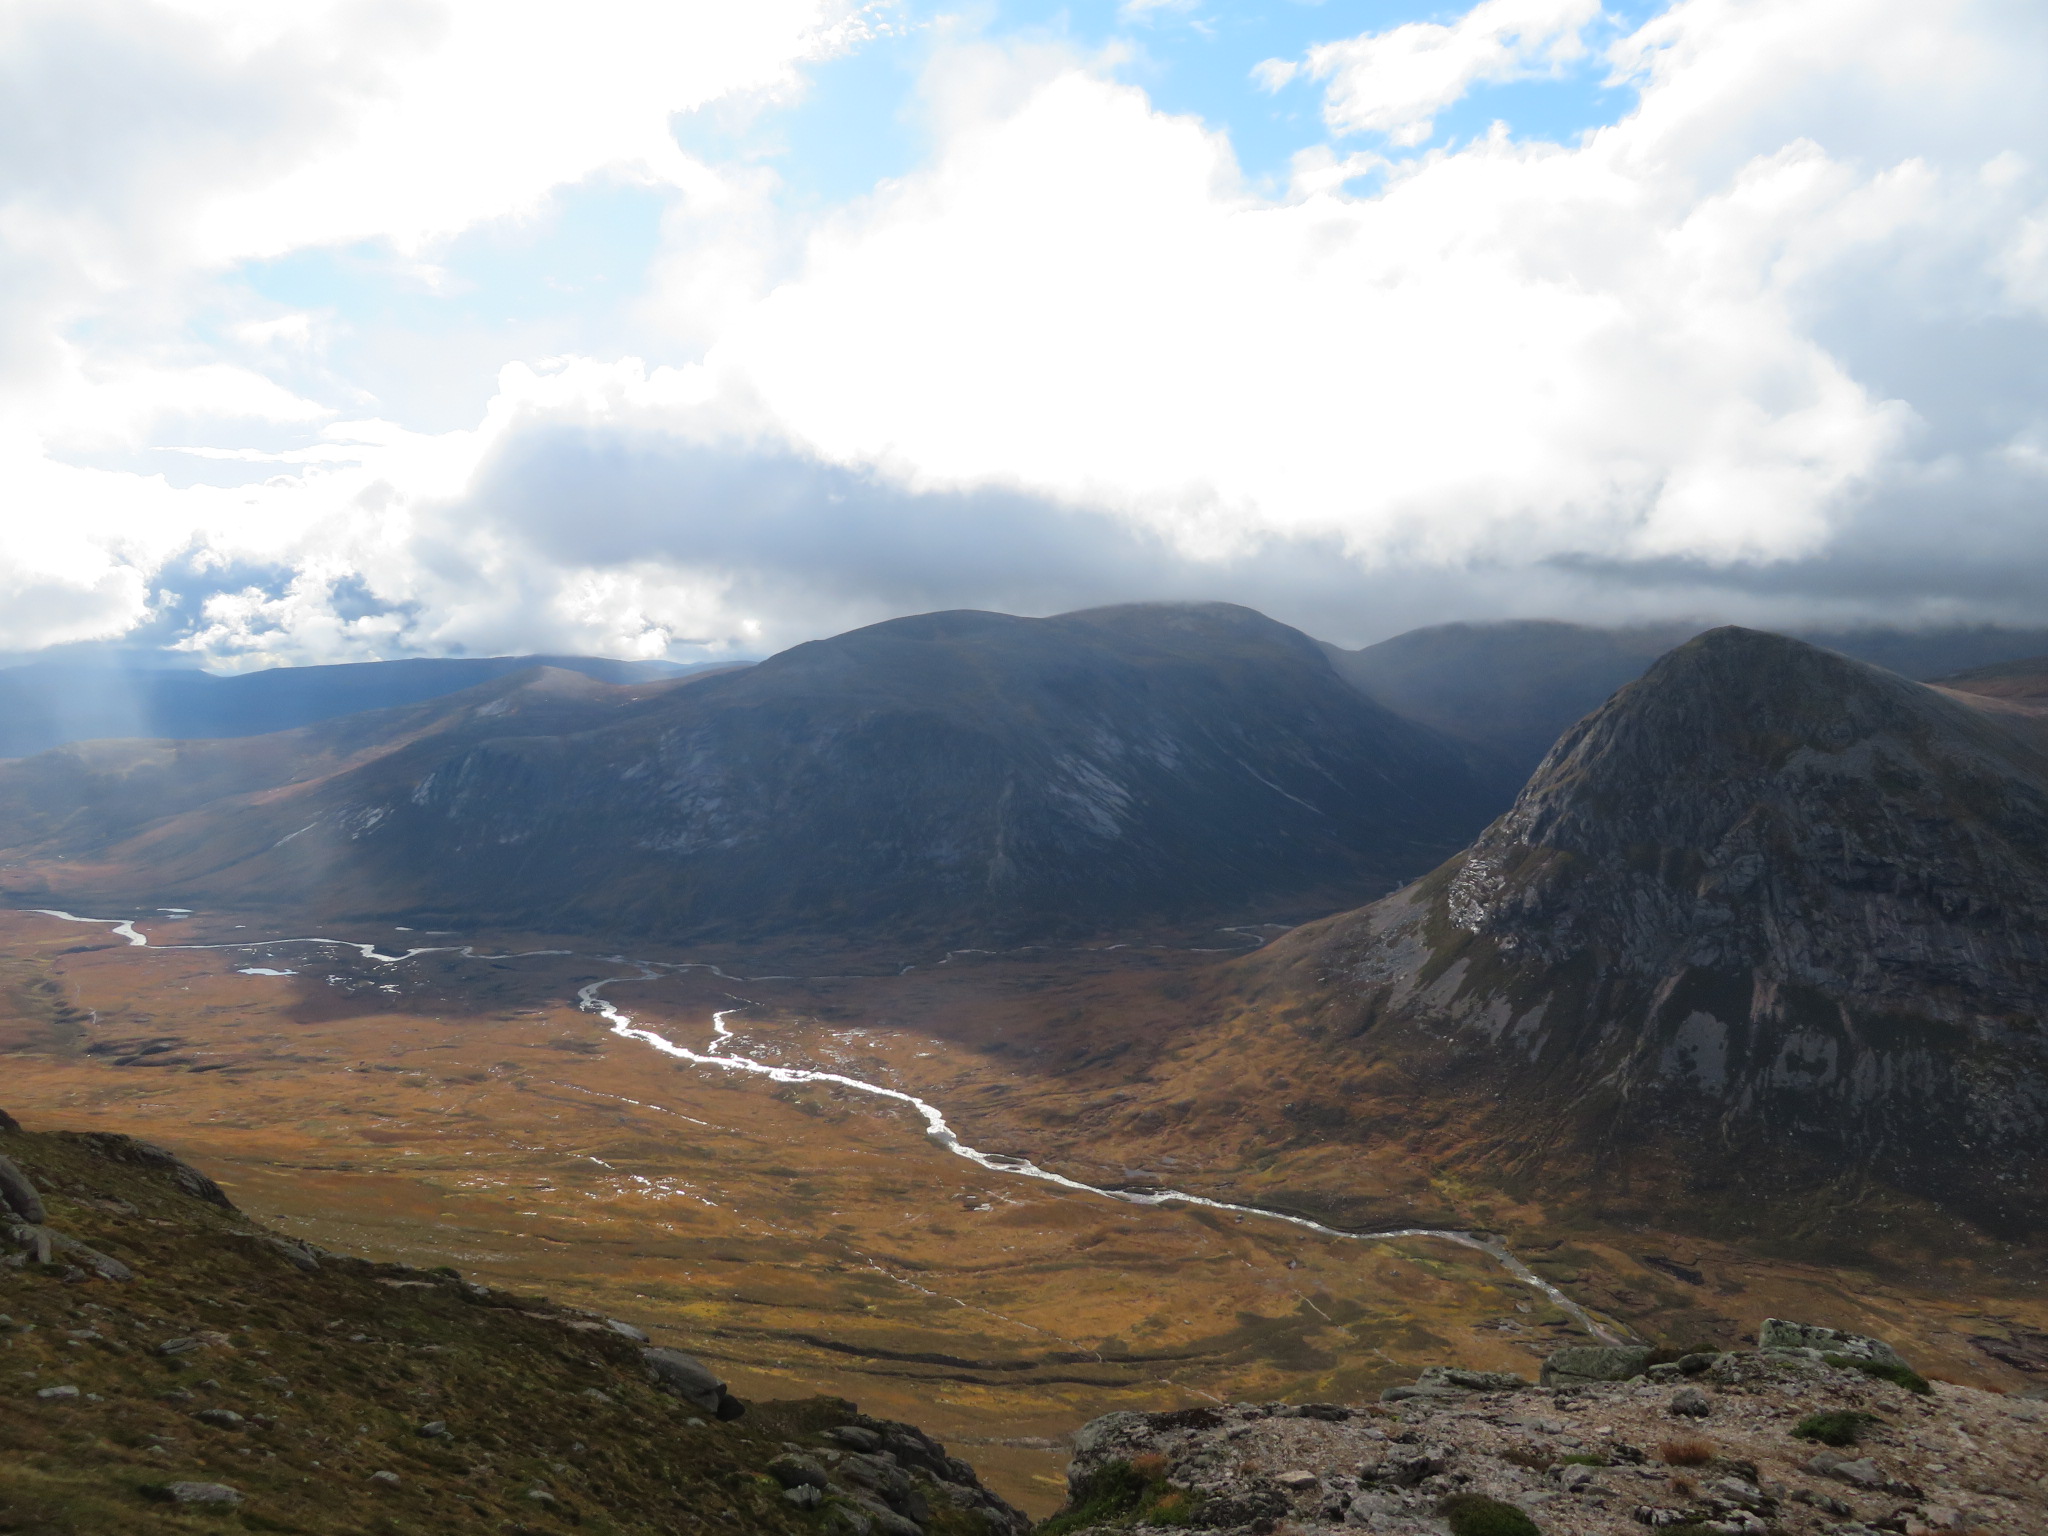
{"x":716,"y":1054}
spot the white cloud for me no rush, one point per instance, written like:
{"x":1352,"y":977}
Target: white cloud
{"x":1775,"y":345}
{"x":1395,"y":82}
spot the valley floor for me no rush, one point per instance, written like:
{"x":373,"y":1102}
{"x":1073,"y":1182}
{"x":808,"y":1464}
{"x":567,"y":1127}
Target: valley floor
{"x":463,"y":1109}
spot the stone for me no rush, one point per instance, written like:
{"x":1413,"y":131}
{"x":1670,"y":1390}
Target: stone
{"x":1470,"y":1381}
{"x":1735,"y":1491}
{"x":626,"y":1330}
{"x":804,"y":1496}
{"x":1863,"y":1472}
{"x":388,"y":1479}
{"x":1595,"y":1362}
{"x":604,"y":1399}
{"x":1297,"y":1482}
{"x":51,"y":1394}
{"x":692,"y":1380}
{"x":203,"y":1493}
{"x":1777,"y":1333}
{"x":1690,"y":1403}
{"x":1410,"y":1394}
{"x":794,"y":1470}
{"x":220,"y":1418}
{"x":177,"y":1346}
{"x":298,"y":1255}
{"x":437,"y":1430}
{"x":18,"y":1194}
{"x":856,"y":1438}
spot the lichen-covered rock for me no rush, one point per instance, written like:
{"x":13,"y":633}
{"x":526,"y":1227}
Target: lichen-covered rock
{"x":1595,"y":1362}
{"x":1776,"y":1333}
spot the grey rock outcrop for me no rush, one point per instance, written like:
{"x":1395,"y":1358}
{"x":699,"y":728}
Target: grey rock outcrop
{"x":1776,"y":1333}
{"x":18,"y":1195}
{"x":1595,"y":1362}
{"x":1586,"y":1466}
{"x":693,"y":1381}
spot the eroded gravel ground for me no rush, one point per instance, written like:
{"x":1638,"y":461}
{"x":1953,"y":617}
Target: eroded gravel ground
{"x":1960,"y":1460}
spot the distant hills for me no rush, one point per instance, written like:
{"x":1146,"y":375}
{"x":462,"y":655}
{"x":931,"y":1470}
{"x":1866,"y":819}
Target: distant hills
{"x":1763,"y":945}
{"x":46,"y":705}
{"x":1514,"y":687}
{"x":950,"y":774}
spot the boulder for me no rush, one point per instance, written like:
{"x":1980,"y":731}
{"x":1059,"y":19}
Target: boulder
{"x":203,"y":1493}
{"x":1470,"y":1381}
{"x":1690,"y":1403}
{"x":794,"y":1470}
{"x":18,"y":1195}
{"x":693,"y":1381}
{"x":1595,"y":1362}
{"x":1777,"y":1333}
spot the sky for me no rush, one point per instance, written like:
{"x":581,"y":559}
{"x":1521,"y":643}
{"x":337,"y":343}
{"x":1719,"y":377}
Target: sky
{"x":339,"y":330}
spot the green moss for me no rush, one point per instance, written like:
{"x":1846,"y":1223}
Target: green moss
{"x":1582,"y":1459}
{"x":1117,"y":1493}
{"x":1838,"y":1428}
{"x":1472,"y":1514}
{"x":1898,"y":1375}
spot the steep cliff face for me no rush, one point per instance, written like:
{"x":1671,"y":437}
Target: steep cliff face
{"x":1770,"y":911}
{"x":951,"y":774}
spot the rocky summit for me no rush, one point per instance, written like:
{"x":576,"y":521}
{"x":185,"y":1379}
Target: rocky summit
{"x":1814,"y":1431}
{"x":1766,"y":932}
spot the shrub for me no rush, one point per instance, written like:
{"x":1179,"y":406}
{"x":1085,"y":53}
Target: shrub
{"x":1472,"y":1514}
{"x":1586,"y":1459}
{"x":1120,"y":1492}
{"x":1898,"y":1375}
{"x":1840,"y":1428}
{"x":1688,"y":1451}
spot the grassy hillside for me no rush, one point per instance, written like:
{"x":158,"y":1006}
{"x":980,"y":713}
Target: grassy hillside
{"x":350,"y":1396}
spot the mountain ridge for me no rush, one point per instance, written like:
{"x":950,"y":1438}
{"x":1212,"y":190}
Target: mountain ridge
{"x":942,"y":774}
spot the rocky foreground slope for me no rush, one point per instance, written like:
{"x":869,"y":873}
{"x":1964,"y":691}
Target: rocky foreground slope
{"x":168,"y":1364}
{"x":1821,"y":1432}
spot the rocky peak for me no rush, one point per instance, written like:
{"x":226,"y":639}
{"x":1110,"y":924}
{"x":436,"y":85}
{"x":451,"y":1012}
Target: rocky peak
{"x":1779,"y":913}
{"x":1755,"y":804}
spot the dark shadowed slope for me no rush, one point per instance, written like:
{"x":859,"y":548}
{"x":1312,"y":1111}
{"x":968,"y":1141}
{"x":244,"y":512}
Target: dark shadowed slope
{"x":1768,"y":929}
{"x":956,"y":773}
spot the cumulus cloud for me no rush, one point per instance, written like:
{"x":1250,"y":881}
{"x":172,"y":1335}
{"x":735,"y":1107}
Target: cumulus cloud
{"x":1770,"y":347}
{"x":1395,"y":82}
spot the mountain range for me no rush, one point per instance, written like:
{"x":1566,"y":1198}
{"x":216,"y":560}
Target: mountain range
{"x":1514,"y":687}
{"x":944,"y":775}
